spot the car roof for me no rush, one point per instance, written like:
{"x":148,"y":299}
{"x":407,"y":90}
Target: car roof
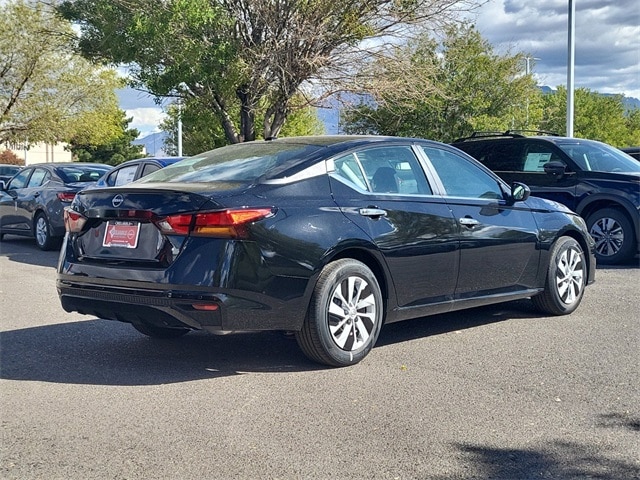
{"x":163,"y":161}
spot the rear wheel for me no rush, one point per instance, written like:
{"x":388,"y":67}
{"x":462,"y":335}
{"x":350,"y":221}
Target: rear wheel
{"x":345,"y":315}
{"x":613,"y":234}
{"x":42,"y":232}
{"x":566,"y":278}
{"x":160,"y":332}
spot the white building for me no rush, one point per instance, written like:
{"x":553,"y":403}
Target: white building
{"x":43,"y":153}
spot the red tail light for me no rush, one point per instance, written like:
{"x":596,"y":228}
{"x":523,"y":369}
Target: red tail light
{"x":227,"y":223}
{"x":66,"y":197}
{"x":73,"y":221}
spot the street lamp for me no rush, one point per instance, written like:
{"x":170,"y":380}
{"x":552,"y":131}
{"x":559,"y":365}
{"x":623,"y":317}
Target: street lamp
{"x":570,"y":67}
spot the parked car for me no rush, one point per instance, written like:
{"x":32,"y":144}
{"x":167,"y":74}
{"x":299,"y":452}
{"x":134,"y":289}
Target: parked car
{"x":8,"y":171}
{"x":598,"y":181}
{"x":328,"y":237}
{"x":32,"y":202}
{"x":132,"y":170}
{"x":633,"y":152}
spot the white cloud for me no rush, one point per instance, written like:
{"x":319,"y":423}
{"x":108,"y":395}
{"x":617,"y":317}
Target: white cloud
{"x":607,"y":40}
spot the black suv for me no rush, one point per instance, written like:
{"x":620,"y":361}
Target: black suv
{"x":599,"y":182}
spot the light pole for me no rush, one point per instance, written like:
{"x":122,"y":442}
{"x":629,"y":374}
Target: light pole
{"x":527,"y":70}
{"x":180,"y":127}
{"x":570,"y":67}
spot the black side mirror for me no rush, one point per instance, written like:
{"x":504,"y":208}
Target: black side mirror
{"x":555,"y":168}
{"x":519,"y":192}
{"x":3,"y":186}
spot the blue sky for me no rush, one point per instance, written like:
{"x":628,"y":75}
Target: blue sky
{"x":607,"y":39}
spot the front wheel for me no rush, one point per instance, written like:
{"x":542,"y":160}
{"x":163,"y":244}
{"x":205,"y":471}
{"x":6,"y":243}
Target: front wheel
{"x":566,"y":279}
{"x":345,"y":315}
{"x":614,"y":236}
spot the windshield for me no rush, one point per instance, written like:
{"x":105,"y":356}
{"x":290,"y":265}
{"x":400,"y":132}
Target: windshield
{"x":235,"y":163}
{"x":599,"y":157}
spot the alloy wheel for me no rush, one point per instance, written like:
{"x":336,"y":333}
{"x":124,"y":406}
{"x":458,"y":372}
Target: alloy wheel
{"x":570,"y":276}
{"x":352,"y":313}
{"x":608,"y":235}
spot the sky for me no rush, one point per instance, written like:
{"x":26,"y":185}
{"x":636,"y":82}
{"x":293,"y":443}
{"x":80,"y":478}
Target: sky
{"x":607,"y":47}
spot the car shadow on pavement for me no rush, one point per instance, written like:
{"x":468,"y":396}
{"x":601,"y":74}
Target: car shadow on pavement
{"x":25,"y":250}
{"x":106,"y":352}
{"x":453,"y":321}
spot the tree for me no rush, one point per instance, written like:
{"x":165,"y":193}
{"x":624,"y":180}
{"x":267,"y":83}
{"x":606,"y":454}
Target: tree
{"x":201,"y":132}
{"x":445,"y":91}
{"x":48,"y":93}
{"x":246,"y":59}
{"x":596,"y":116}
{"x":113,"y":150}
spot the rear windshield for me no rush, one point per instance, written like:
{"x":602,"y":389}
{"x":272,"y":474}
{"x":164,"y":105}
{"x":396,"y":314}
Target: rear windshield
{"x":82,"y":173}
{"x":599,"y":157}
{"x":243,"y":163}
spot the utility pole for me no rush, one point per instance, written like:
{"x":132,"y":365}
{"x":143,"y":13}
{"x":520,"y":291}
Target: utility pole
{"x":570,"y":68}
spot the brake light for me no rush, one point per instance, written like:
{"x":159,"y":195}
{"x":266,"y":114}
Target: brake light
{"x":73,"y":221}
{"x":226,"y":223}
{"x":66,"y":197}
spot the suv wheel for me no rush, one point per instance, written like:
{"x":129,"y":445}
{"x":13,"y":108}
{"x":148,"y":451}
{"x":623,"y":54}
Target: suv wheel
{"x":613,"y":234}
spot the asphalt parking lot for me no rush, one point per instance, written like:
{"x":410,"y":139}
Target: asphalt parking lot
{"x":498,"y":392}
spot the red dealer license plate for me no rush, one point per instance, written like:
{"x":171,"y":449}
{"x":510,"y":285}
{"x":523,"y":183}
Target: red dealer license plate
{"x":121,"y":234}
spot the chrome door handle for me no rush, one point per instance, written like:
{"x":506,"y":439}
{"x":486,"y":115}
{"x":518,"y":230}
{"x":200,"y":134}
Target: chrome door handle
{"x":373,"y":212}
{"x":469,"y":222}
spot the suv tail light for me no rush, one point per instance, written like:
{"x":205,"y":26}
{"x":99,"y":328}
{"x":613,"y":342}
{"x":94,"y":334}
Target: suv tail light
{"x":226,"y":224}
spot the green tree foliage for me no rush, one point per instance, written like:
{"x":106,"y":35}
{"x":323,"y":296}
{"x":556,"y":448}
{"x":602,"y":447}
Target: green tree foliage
{"x":114,"y":151}
{"x":201,"y":132}
{"x":245,"y":58}
{"x":596,"y":116}
{"x":48,"y":93}
{"x":448,"y":90}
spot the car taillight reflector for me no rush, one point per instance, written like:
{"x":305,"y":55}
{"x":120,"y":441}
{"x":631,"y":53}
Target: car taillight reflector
{"x":73,"y":221}
{"x":66,"y":197}
{"x":226,"y":223}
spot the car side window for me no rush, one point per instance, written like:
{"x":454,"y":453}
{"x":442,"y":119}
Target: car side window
{"x":498,"y":156}
{"x":349,"y":169}
{"x":20,"y":180}
{"x":39,"y":177}
{"x":393,"y":170}
{"x":122,"y":176}
{"x":536,"y":155}
{"x":149,"y":168}
{"x":460,"y":177}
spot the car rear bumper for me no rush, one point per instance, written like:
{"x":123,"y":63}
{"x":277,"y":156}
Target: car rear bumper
{"x":172,"y":307}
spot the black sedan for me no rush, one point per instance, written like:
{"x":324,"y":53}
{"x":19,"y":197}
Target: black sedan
{"x":32,"y":202}
{"x":329,"y":237}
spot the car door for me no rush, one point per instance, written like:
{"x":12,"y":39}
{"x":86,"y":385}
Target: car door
{"x":498,"y":240}
{"x":384,"y":190}
{"x":13,"y":215}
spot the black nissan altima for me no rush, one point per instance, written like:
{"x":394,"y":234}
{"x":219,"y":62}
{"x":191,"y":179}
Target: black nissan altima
{"x":329,"y":237}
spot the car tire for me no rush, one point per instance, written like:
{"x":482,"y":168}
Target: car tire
{"x":345,"y":315}
{"x":566,"y":279}
{"x":614,"y":236}
{"x":42,"y":233}
{"x":159,"y":332}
